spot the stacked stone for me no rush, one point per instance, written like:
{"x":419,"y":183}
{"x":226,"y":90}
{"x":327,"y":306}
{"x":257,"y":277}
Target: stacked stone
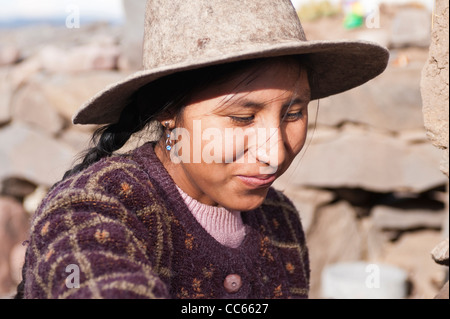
{"x":368,"y":185}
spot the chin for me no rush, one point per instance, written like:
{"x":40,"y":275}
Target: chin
{"x":248,"y":202}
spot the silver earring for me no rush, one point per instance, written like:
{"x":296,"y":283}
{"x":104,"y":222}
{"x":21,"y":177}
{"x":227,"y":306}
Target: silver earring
{"x":168,"y":142}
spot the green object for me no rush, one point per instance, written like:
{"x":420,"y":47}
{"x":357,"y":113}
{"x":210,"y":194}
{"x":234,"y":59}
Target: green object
{"x":353,"y":20}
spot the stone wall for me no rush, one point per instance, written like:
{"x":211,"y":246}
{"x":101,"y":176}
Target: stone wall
{"x":368,"y":184}
{"x":435,"y":84}
{"x":435,"y":93}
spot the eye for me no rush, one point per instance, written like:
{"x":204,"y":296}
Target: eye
{"x":242,"y":120}
{"x":293,"y":116}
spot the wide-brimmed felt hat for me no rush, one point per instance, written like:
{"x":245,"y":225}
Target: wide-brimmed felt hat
{"x":182,"y":35}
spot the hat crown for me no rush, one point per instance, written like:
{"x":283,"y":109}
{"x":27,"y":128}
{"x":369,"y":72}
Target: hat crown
{"x":179,"y":31}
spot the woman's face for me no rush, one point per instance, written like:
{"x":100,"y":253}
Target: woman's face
{"x":236,"y":138}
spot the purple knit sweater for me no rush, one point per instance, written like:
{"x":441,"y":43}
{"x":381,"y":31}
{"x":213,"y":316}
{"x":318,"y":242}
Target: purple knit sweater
{"x":120,"y":229}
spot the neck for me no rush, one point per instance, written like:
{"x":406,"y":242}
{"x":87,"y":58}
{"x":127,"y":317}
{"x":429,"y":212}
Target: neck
{"x":178,"y":175}
{"x":223,"y":225}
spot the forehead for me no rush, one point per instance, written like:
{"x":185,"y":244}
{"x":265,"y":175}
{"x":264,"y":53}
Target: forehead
{"x":286,"y":76}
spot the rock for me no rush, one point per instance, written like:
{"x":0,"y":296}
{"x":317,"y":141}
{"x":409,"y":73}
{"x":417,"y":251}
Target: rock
{"x":333,"y":237}
{"x":391,"y":218}
{"x":413,"y":136}
{"x":410,"y":252}
{"x":440,"y":253}
{"x":374,"y":239}
{"x":77,"y":139}
{"x":368,"y":160}
{"x":31,"y":155}
{"x":21,"y":73}
{"x":381,"y":105}
{"x":6,"y":92}
{"x":13,"y":231}
{"x":411,"y":27}
{"x":80,"y":58}
{"x":49,"y":101}
{"x":434,"y":85}
{"x":66,"y":93}
{"x":31,"y":38}
{"x":444,"y":162}
{"x":32,"y":201}
{"x":358,"y":197}
{"x":30,"y":105}
{"x":443,"y":293}
{"x":16,"y":261}
{"x":9,"y":54}
{"x":16,"y":188}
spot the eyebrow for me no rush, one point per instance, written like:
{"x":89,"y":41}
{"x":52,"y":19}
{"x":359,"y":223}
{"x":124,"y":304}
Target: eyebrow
{"x":259,"y":105}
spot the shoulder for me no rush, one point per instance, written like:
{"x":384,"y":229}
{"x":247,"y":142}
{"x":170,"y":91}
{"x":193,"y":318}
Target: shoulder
{"x":111,"y":176}
{"x":112,"y":188}
{"x":276,"y":198}
{"x":104,"y":174}
{"x":278,"y":205}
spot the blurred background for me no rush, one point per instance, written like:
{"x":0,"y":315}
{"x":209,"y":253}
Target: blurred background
{"x":371,"y":186}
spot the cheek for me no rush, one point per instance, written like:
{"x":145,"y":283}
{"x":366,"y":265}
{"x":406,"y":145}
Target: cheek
{"x":213,"y":146}
{"x":235,"y":144}
{"x":296,"y":137}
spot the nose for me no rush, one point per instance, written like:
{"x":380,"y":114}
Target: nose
{"x":270,"y":149}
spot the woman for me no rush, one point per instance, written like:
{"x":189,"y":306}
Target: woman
{"x":191,"y":214}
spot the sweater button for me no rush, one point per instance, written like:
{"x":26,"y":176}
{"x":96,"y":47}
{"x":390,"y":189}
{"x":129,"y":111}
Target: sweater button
{"x":232,"y":283}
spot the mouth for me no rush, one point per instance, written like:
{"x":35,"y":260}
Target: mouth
{"x":258,"y":181}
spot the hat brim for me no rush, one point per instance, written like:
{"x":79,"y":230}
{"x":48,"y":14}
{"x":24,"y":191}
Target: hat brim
{"x":338,"y":66}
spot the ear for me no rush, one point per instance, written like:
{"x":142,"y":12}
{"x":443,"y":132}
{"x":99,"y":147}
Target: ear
{"x":168,"y":123}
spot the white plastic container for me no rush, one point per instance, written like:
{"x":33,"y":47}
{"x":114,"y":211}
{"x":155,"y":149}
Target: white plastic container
{"x":361,"y":280}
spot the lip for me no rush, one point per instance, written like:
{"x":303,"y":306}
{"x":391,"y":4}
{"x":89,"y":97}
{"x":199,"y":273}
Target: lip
{"x":257,"y":181}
